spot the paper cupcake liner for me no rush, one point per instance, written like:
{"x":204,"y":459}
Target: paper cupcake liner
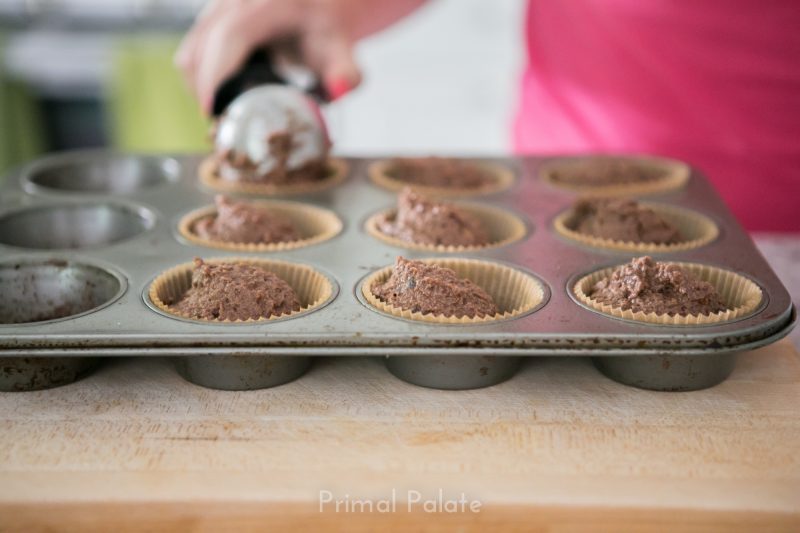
{"x":502,"y":226}
{"x":675,"y":174}
{"x":697,"y":230}
{"x":741,"y":295}
{"x":314,"y":224}
{"x":503,"y":178}
{"x":514,"y":292}
{"x":313,"y":288}
{"x":336,"y":173}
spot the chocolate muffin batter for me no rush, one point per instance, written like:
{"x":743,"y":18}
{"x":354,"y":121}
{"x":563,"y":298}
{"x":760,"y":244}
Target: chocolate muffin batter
{"x":424,"y":221}
{"x":430,"y":289}
{"x":653,"y":287}
{"x":238,"y":167}
{"x":440,"y":172}
{"x":622,"y":220}
{"x":606,"y":171}
{"x":235,"y":291}
{"x":242,"y":222}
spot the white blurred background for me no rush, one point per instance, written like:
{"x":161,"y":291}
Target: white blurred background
{"x":443,"y":80}
{"x":99,"y":72}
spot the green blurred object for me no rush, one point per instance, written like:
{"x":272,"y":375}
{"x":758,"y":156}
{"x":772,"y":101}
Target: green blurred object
{"x":149,"y":106}
{"x":21,"y":133}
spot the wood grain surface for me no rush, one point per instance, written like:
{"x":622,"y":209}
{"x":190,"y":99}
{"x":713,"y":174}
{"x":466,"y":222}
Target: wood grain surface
{"x":557,"y":448}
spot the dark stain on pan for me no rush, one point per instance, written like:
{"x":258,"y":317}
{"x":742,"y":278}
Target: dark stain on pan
{"x":19,"y":374}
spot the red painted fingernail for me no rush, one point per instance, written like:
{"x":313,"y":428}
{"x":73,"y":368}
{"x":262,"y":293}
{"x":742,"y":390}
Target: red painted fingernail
{"x":338,"y":88}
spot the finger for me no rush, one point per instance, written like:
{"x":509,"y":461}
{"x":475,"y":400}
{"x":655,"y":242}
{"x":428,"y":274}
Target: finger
{"x":231,"y":39}
{"x":331,"y":55}
{"x":186,"y":56}
{"x":341,"y":74}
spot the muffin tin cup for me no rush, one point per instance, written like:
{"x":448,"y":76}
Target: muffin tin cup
{"x":697,"y":230}
{"x":336,"y":173}
{"x":37,"y":291}
{"x":74,"y":225}
{"x":503,"y":178}
{"x":514,"y":292}
{"x":673,"y":175}
{"x":313,"y":288}
{"x":98,"y":172}
{"x":668,"y":373}
{"x":502,"y":226}
{"x":453,"y":372}
{"x":19,"y":374}
{"x":241,"y":372}
{"x":314,"y":224}
{"x":741,"y":295}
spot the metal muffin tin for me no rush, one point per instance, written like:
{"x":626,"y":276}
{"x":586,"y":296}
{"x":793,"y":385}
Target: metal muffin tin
{"x":156,"y":192}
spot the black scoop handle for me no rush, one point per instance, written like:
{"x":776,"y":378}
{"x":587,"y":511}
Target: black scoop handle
{"x":258,"y":70}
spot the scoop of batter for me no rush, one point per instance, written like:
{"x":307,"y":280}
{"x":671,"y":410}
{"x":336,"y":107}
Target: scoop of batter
{"x":430,"y":289}
{"x":622,"y":220}
{"x":235,"y":291}
{"x":271,"y":134}
{"x":424,"y":221}
{"x":440,"y":172}
{"x":654,"y":287}
{"x":243,"y":222}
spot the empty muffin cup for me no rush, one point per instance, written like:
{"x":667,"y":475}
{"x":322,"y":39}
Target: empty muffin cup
{"x":73,"y":225}
{"x":653,"y":175}
{"x":41,"y":290}
{"x":696,"y":230}
{"x":313,"y":224}
{"x":514,"y":292}
{"x":98,"y":172}
{"x":241,"y":372}
{"x":741,"y":296}
{"x":502,"y":226}
{"x":209,"y":176}
{"x":38,"y":291}
{"x":453,"y":372}
{"x":313,"y":288}
{"x":501,"y":178}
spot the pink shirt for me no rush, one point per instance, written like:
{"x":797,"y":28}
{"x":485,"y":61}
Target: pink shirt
{"x":713,"y":82}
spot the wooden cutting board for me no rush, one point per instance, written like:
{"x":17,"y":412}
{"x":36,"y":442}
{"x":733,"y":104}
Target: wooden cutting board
{"x":557,"y":448}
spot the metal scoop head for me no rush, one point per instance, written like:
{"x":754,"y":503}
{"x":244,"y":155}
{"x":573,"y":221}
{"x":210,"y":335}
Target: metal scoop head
{"x":260,"y":114}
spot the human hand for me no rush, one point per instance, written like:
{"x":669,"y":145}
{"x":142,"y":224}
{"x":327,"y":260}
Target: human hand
{"x":227,"y":31}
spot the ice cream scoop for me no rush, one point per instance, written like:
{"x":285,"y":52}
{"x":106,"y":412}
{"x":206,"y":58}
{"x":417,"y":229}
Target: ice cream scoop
{"x":259,"y":116}
{"x":269,"y":119}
